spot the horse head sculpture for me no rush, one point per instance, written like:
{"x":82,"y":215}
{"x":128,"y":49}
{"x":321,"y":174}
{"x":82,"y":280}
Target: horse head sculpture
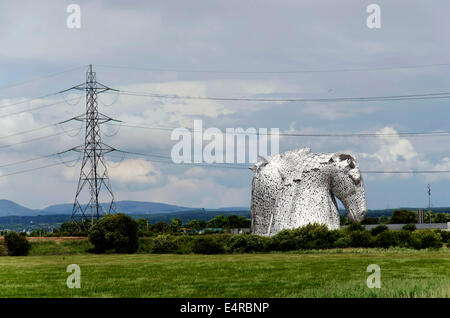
{"x":299,"y":187}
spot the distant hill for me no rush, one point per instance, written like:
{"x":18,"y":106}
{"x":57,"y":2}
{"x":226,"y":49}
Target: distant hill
{"x":128,"y":207}
{"x":10,"y":208}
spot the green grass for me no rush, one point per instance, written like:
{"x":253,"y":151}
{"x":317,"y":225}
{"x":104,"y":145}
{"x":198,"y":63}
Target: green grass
{"x":62,"y":248}
{"x":332,"y":273}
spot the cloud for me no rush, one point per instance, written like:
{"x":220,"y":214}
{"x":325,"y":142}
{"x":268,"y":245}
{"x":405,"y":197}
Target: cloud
{"x":197,"y":192}
{"x":397,"y":153}
{"x":394,"y":148}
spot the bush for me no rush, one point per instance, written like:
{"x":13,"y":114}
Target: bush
{"x":115,"y":232}
{"x":403,"y":216}
{"x":342,"y":242}
{"x":282,"y":241}
{"x":360,"y":239}
{"x":445,"y":235}
{"x":386,"y":239}
{"x":18,"y":245}
{"x":426,"y":239}
{"x":246,"y":244}
{"x":404,"y":238}
{"x":163,"y":244}
{"x":378,"y":229}
{"x":207,"y":245}
{"x":355,"y":226}
{"x":315,"y":236}
{"x":369,"y":220}
{"x":311,"y":236}
{"x":409,"y":227}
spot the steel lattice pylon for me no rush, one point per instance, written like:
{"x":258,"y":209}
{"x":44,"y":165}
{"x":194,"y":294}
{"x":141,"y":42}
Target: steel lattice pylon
{"x":94,"y":174}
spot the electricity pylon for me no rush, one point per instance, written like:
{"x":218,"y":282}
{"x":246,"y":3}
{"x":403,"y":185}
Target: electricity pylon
{"x":94,"y":174}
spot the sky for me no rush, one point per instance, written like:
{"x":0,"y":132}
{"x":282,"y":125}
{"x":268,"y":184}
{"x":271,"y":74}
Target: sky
{"x":227,"y":49}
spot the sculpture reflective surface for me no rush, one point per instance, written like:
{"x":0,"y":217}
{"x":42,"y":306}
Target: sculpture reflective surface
{"x":299,"y":187}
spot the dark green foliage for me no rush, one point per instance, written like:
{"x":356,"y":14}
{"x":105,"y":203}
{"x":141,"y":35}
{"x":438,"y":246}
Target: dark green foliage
{"x":342,"y":242}
{"x":68,"y":228}
{"x":161,"y":227}
{"x":383,"y":219}
{"x":175,"y":225}
{"x":426,"y":239}
{"x":403,"y":216}
{"x":445,"y":235}
{"x":283,"y":241}
{"x":17,"y":244}
{"x":342,"y":220}
{"x":409,"y":227}
{"x":378,"y":229}
{"x":369,"y":220}
{"x":115,"y":232}
{"x":386,"y":239}
{"x":404,"y":238}
{"x":355,"y":226}
{"x":311,"y":236}
{"x":246,"y":243}
{"x":360,"y":239}
{"x":440,"y":217}
{"x":208,"y":245}
{"x":163,"y":244}
{"x":219,"y":221}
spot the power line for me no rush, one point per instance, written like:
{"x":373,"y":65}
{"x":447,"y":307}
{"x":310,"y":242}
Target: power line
{"x":36,"y":139}
{"x":216,"y":165}
{"x":427,"y":96}
{"x":35,"y":108}
{"x":40,"y":78}
{"x":411,"y":134}
{"x":338,"y":70}
{"x":32,"y":159}
{"x":29,"y":100}
{"x":23,"y":132}
{"x":33,"y":169}
{"x":241,"y":166}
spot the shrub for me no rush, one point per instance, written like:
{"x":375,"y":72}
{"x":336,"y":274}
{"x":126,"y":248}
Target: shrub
{"x":246,"y":243}
{"x":315,"y":236}
{"x":403,"y":216}
{"x":445,"y":235}
{"x":404,"y":238}
{"x":18,"y":245}
{"x":360,"y":239}
{"x":386,"y":239}
{"x":207,"y":245}
{"x":378,"y":229}
{"x":283,"y":241}
{"x":311,"y":236}
{"x":409,"y":227}
{"x":184,"y":244}
{"x":426,"y":239}
{"x":163,"y":244}
{"x":369,"y":220}
{"x":355,"y":226}
{"x":342,"y":242}
{"x":115,"y":232}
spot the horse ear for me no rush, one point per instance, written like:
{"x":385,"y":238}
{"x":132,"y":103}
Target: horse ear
{"x":355,"y":175}
{"x":350,"y":161}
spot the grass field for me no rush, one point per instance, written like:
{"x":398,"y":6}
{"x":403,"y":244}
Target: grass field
{"x":332,"y":273}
